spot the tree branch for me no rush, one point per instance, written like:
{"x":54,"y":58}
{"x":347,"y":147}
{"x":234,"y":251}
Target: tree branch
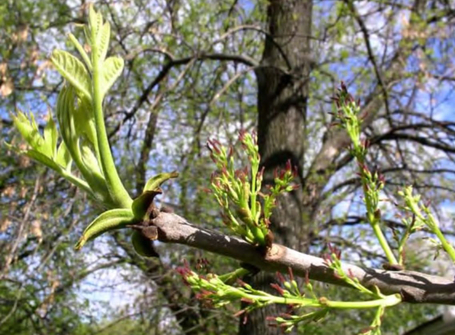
{"x":177,"y":62}
{"x":414,"y":287}
{"x":417,"y":139}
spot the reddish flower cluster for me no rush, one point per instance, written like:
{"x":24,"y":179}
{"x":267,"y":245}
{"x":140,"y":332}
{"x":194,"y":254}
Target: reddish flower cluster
{"x":333,"y":255}
{"x":184,"y":271}
{"x":343,"y":97}
{"x":203,"y":264}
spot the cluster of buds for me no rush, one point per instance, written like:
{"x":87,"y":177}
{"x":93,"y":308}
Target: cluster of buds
{"x":380,"y":301}
{"x":333,"y":261}
{"x":214,"y":291}
{"x":413,"y":205}
{"x":238,"y":191}
{"x":217,"y":291}
{"x":282,"y":179}
{"x":348,"y":117}
{"x":372,"y":184}
{"x":287,"y":321}
{"x":290,"y":288}
{"x":422,"y":217}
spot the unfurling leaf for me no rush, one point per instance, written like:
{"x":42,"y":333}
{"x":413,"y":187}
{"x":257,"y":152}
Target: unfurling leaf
{"x":81,"y":50}
{"x":113,"y":219}
{"x":156,"y":181}
{"x":142,"y":245}
{"x":28,"y":128}
{"x":50,"y":136}
{"x":142,"y":203}
{"x":99,"y":35}
{"x":152,"y":188}
{"x":63,"y":157}
{"x":103,"y":41}
{"x":95,"y":21}
{"x":74,"y":137}
{"x":65,"y":117}
{"x":73,"y":70}
{"x":89,"y":158}
{"x":85,"y":121}
{"x":112,"y":68}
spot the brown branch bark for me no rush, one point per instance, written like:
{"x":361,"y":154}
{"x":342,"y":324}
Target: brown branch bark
{"x":415,"y":287}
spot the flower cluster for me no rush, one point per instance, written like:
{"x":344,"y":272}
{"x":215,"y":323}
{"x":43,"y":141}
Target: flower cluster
{"x":348,"y":117}
{"x":214,"y":291}
{"x":422,"y":217}
{"x":217,"y":291}
{"x":380,"y":301}
{"x":238,"y":191}
{"x":333,"y":261}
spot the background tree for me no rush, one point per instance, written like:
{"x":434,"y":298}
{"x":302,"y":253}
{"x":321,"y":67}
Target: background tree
{"x":189,"y":76}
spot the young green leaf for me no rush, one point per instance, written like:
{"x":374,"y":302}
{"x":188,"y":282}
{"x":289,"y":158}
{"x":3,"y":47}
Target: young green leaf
{"x":28,"y":129}
{"x":81,"y":50}
{"x":112,"y":219}
{"x":156,"y":181}
{"x":95,"y":22}
{"x":73,"y":70}
{"x":63,"y":157}
{"x":100,"y":34}
{"x":50,"y":137}
{"x":76,"y":144}
{"x":142,"y":203}
{"x":42,"y":158}
{"x":89,"y":158}
{"x":85,"y":122}
{"x":142,"y":245}
{"x":65,"y":117}
{"x":112,"y":68}
{"x":103,"y":41}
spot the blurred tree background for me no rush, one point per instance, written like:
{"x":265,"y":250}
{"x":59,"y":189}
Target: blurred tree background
{"x":193,"y":70}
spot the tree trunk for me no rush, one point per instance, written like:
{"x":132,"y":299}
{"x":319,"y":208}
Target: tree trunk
{"x":282,"y":101}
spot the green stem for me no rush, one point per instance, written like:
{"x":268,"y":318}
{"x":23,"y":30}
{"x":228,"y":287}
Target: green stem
{"x":231,"y":277}
{"x":387,"y":301}
{"x":115,"y":186}
{"x":77,"y":182}
{"x":372,"y":207}
{"x":383,"y":242}
{"x":446,"y":245}
{"x":83,"y":185}
{"x":402,"y":245}
{"x":258,"y":234}
{"x":81,"y":50}
{"x":253,"y":192}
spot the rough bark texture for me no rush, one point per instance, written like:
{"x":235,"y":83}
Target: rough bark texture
{"x":282,"y":101}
